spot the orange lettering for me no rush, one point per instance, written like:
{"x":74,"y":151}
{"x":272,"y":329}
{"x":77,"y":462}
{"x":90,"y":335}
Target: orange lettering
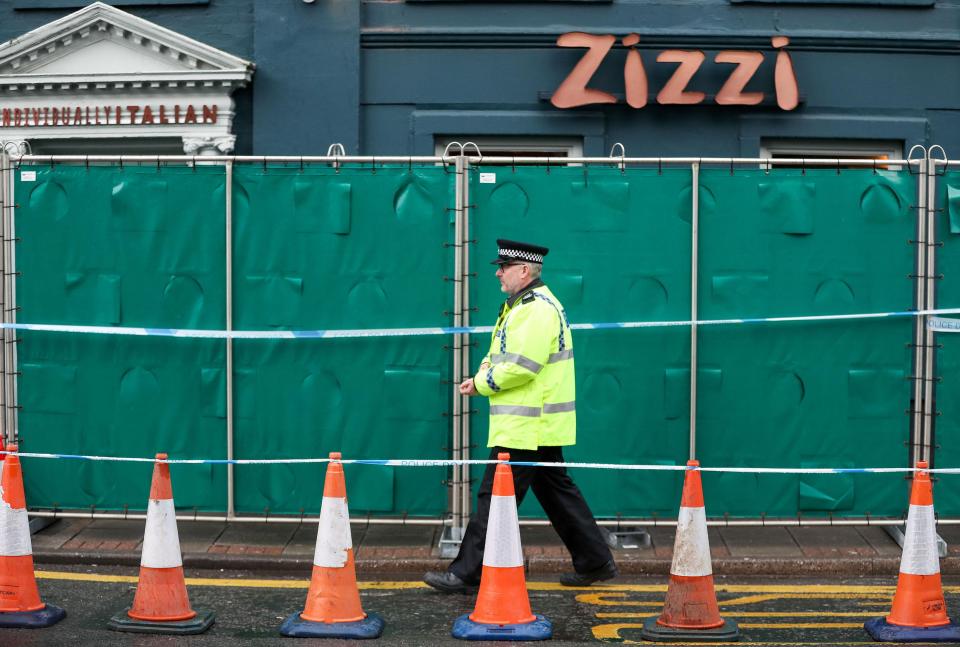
{"x":747,"y":64}
{"x":191,"y":116}
{"x":784,"y":78}
{"x":634,"y":76}
{"x":675,"y":90}
{"x":147,"y":115}
{"x":209,"y":114}
{"x":573,"y":91}
{"x":6,"y":117}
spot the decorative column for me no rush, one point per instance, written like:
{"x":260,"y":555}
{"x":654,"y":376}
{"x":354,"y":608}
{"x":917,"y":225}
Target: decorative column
{"x":209,"y":146}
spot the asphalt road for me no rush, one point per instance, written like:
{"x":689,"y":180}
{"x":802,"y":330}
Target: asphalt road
{"x":250,"y":607}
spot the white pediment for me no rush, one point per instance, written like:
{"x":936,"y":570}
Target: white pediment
{"x":101,"y":41}
{"x":105,"y":57}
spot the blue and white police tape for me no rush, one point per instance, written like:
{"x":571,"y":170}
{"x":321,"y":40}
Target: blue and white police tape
{"x":458,"y":330}
{"x":417,"y":462}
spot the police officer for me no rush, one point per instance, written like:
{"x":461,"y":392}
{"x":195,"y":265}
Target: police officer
{"x":528,"y":377}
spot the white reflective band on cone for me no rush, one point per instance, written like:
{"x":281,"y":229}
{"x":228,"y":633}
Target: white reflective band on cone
{"x":502,"y":548}
{"x":333,"y":534}
{"x":691,"y":548}
{"x":920,"y":556}
{"x":161,"y":544}
{"x":14,"y":531}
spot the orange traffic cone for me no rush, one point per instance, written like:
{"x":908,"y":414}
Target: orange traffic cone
{"x":503,"y":606}
{"x":20,"y":604}
{"x":333,"y":602}
{"x":160,"y":604}
{"x":919,"y":612}
{"x":690,"y":610}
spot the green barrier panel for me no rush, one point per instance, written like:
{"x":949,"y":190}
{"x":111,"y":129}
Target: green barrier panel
{"x":323,"y":248}
{"x":130,"y":246}
{"x":947,"y":366}
{"x":620,"y":251}
{"x":834,"y":394}
{"x":778,"y":395}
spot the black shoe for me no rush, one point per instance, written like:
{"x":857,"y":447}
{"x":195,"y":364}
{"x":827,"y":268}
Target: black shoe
{"x":606,"y":572}
{"x":447,"y":582}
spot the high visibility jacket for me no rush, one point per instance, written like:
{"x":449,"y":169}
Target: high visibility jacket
{"x":530,"y":378}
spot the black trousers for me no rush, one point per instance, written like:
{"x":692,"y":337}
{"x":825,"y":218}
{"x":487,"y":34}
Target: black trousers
{"x":561,"y":500}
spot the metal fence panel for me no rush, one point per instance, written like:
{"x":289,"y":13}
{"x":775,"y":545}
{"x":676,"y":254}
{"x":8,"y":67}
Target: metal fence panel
{"x":620,"y":251}
{"x":128,"y":246}
{"x":834,"y":394}
{"x":353,"y":247}
{"x":314,"y":248}
{"x":780,"y":243}
{"x":947,"y":367}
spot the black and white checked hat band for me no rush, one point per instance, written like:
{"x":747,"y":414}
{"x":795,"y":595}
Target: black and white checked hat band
{"x":519,"y":254}
{"x":513,"y":250}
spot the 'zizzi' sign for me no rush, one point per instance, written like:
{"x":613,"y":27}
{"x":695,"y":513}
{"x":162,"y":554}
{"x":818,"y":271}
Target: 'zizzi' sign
{"x":57,"y":116}
{"x":574,"y":92}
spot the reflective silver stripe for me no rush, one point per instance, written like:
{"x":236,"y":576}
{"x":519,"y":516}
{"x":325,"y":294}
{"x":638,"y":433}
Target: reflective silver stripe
{"x":559,"y":357}
{"x":560,"y":407}
{"x":514,"y":410}
{"x":516,"y":358}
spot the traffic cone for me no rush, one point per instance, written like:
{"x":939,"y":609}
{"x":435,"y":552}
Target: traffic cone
{"x":919,"y":612}
{"x":690,"y":610}
{"x":333,"y":602}
{"x":161,"y":605}
{"x":20,"y":604}
{"x":503,"y":606}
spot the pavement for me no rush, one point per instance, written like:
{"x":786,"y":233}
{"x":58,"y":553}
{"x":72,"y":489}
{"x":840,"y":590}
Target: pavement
{"x":413,"y":549}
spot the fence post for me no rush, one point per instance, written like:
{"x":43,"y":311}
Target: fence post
{"x":6,"y":206}
{"x":694,"y":311}
{"x":464,"y":283}
{"x":929,"y":365}
{"x":453,"y":534}
{"x":9,"y":294}
{"x":228,"y":254}
{"x":920,"y":300}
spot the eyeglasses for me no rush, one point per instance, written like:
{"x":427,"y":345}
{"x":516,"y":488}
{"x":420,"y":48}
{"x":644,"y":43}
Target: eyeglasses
{"x":506,"y":265}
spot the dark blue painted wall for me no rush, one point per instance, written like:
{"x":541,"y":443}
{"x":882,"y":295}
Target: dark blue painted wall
{"x":387,"y":77}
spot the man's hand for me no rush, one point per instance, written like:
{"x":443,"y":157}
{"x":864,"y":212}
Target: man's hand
{"x":467,"y":387}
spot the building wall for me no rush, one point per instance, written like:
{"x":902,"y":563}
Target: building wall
{"x":387,"y":77}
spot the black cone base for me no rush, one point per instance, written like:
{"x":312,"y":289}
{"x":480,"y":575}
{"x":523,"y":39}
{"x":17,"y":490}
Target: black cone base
{"x":195,"y":625}
{"x":727,"y":632}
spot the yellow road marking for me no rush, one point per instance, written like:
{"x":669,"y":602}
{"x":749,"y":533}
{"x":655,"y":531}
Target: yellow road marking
{"x":766,"y":597}
{"x":84,"y":577}
{"x":809,"y":589}
{"x":610,"y":633}
{"x":803,"y":625}
{"x":761,"y":614}
{"x":613,"y":599}
{"x":224,"y":582}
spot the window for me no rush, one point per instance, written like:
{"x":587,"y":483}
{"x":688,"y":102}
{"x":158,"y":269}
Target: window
{"x":831,"y":149}
{"x":508,"y":146}
{"x":108,"y":146}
